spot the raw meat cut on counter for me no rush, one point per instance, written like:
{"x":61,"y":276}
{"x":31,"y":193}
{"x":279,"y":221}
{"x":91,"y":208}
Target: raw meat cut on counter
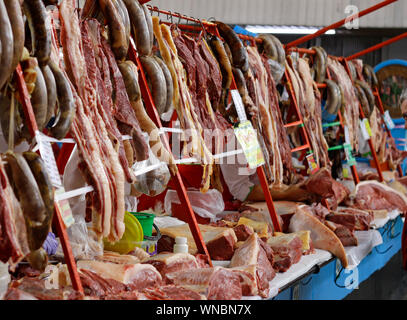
{"x":346,"y":235}
{"x":170,"y":262}
{"x":110,"y":256}
{"x":305,"y":237}
{"x":35,"y":287}
{"x":139,"y":276}
{"x":215,"y":283}
{"x":322,"y":184}
{"x":255,"y":252}
{"x":376,"y":196}
{"x":287,"y":250}
{"x":354,"y":219}
{"x":243,"y":231}
{"x":171,"y":292}
{"x":322,"y":237}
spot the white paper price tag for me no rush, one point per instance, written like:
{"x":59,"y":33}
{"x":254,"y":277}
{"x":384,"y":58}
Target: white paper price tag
{"x":346,"y":131}
{"x":237,"y":99}
{"x":47,"y":155}
{"x":365,"y":129}
{"x":388,"y":120}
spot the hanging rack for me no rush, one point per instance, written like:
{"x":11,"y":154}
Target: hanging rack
{"x":376,"y":90}
{"x":209,"y":27}
{"x":312,"y":52}
{"x":294,"y":108}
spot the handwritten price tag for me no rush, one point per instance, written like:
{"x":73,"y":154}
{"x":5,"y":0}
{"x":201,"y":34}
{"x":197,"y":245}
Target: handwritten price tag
{"x":47,"y":155}
{"x":388,"y":120}
{"x":345,"y":172}
{"x":351,"y":161}
{"x":365,"y":129}
{"x":312,"y":165}
{"x":237,"y":99}
{"x":346,"y":131}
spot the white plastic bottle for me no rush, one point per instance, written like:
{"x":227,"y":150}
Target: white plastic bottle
{"x":180,"y":245}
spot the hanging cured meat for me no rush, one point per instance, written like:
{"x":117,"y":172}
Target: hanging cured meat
{"x":183,"y":102}
{"x":351,"y":112}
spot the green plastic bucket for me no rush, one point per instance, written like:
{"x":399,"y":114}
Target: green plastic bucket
{"x":146,"y":220}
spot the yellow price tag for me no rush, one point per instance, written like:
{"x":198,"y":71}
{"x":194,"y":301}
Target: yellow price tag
{"x":368,"y":129}
{"x":247,"y":138}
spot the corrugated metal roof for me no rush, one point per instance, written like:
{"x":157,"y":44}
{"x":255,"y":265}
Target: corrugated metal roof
{"x":288,"y":12}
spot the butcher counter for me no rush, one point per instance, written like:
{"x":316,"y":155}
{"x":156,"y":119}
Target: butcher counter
{"x":327,"y":280}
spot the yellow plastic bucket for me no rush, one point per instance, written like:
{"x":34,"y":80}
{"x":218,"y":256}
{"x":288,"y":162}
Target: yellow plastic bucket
{"x":132,"y":237}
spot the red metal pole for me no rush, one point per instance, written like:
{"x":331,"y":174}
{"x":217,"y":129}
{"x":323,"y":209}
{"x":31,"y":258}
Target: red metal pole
{"x":60,"y":229}
{"x":57,"y":220}
{"x":376,"y":91}
{"x":377,"y":46}
{"x":362,"y":115}
{"x":262,"y":176}
{"x":352,"y":167}
{"x":381,"y":108}
{"x":294,"y":101}
{"x":339,"y":23}
{"x":25,"y":101}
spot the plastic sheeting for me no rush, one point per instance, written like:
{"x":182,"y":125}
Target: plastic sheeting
{"x":206,"y":205}
{"x":367,"y":240}
{"x":295,"y":271}
{"x":378,"y":223}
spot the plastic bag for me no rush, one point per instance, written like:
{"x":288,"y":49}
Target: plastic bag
{"x":83,"y":240}
{"x":155,"y":181}
{"x":206,"y":205}
{"x":277,"y":70}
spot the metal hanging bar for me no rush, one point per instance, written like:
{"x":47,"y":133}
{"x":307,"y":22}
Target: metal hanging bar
{"x":339,"y":23}
{"x":377,"y":46}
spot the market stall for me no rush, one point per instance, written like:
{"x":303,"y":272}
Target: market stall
{"x":152,"y":155}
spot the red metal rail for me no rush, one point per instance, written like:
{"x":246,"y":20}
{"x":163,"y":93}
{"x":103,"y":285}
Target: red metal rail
{"x":253,"y":41}
{"x":353,"y":169}
{"x":339,"y":23}
{"x":377,"y":46}
{"x":362,"y":115}
{"x":376,"y":91}
{"x":180,"y":16}
{"x":58,"y":223}
{"x":312,"y":52}
{"x":260,"y":173}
